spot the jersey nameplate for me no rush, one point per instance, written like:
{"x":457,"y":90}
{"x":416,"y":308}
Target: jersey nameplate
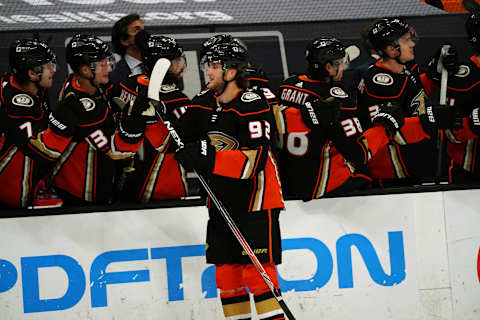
{"x":88,"y":104}
{"x":250,"y":96}
{"x":338,"y":92}
{"x":22,"y":100}
{"x":383,"y":79}
{"x":463,"y":71}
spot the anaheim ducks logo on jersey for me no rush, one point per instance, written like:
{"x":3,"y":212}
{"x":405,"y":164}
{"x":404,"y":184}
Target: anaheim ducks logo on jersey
{"x":383,"y":79}
{"x":338,"y":92}
{"x":463,"y":71}
{"x":166,"y":88}
{"x":88,"y":104}
{"x":418,"y":102}
{"x":250,"y":96}
{"x":22,"y":100}
{"x":222,"y":141}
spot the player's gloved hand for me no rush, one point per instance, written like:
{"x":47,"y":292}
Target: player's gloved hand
{"x":198,"y":155}
{"x":437,"y":116}
{"x":474,"y":121}
{"x":321,"y":115}
{"x":390,"y":115}
{"x":449,"y":62}
{"x":134,"y":118}
{"x":63,"y":120}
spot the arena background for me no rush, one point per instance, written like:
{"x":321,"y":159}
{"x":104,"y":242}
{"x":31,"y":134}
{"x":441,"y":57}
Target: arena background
{"x":286,"y":26}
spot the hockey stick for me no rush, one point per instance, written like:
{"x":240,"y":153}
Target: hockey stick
{"x":158,"y":73}
{"x":443,"y":101}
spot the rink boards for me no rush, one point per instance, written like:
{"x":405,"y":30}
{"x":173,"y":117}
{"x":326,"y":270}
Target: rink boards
{"x":406,"y":256}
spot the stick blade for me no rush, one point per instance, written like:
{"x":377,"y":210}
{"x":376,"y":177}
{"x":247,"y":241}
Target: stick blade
{"x":158,"y":73}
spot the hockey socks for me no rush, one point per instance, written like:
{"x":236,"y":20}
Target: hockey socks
{"x":236,"y":305}
{"x":267,"y":306}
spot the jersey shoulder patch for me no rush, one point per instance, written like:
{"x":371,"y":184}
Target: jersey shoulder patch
{"x":463,"y":71}
{"x":23,"y":100}
{"x":249,"y":96}
{"x":167,"y":88}
{"x":383,"y":79}
{"x":87,"y":103}
{"x":338,"y":92}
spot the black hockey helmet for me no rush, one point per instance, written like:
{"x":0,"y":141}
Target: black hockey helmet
{"x":29,"y":54}
{"x":156,"y":47}
{"x":230,"y":55}
{"x":322,"y":50}
{"x":212,"y":41}
{"x":472,"y":26}
{"x":85,"y":50}
{"x":387,"y":31}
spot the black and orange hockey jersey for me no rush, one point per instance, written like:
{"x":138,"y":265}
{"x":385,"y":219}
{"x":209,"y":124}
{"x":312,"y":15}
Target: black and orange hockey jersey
{"x":245,"y":175}
{"x":463,"y":93}
{"x":414,"y":151}
{"x":86,"y":168}
{"x":312,"y":166}
{"x":23,"y":116}
{"x":380,"y":85}
{"x":159,"y":176}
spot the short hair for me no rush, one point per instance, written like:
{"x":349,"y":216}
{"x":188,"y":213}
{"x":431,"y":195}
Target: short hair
{"x":119,"y":32}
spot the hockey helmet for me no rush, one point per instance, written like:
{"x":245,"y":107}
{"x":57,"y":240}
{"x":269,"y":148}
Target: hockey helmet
{"x":387,"y":31}
{"x":86,"y":49}
{"x":322,"y":50}
{"x":29,"y":54}
{"x":212,"y":41}
{"x":230,"y":55}
{"x":156,"y":47}
{"x":472,"y":26}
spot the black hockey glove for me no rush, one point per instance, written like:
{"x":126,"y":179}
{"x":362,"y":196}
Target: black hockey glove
{"x":449,"y":61}
{"x":134,"y":118}
{"x":390,"y":115}
{"x":198,"y":155}
{"x":321,"y":115}
{"x":474,"y":121}
{"x":63,"y":120}
{"x":435,"y":116}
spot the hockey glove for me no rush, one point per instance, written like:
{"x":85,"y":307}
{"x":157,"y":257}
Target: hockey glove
{"x":449,"y":62}
{"x":198,"y":155}
{"x":474,"y":121}
{"x":390,"y":115}
{"x":63,"y":120}
{"x":134,"y":118}
{"x":435,"y":116}
{"x":321,"y":115}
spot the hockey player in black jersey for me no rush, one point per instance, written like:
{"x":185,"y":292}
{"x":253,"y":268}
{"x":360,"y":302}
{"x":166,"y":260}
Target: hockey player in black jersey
{"x":463,"y":93}
{"x":395,"y":78}
{"x":319,"y":124}
{"x":24,"y":112}
{"x":229,"y":142}
{"x":159,"y":176}
{"x":83,"y":128}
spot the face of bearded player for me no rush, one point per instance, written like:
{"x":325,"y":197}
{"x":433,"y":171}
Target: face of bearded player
{"x":214,"y":75}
